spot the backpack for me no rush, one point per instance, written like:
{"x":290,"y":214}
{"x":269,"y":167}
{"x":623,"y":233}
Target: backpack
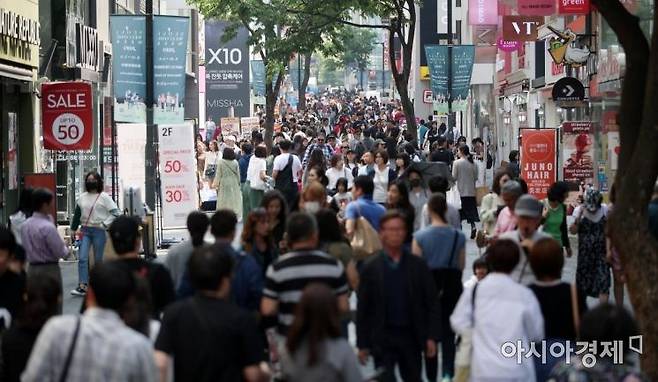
{"x":284,"y":181}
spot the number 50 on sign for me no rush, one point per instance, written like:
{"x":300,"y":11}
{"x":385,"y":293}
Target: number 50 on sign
{"x":66,"y":109}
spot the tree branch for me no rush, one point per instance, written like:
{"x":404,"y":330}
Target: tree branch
{"x":336,"y":19}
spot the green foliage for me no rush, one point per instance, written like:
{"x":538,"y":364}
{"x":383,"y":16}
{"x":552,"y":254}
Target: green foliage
{"x":351,"y":47}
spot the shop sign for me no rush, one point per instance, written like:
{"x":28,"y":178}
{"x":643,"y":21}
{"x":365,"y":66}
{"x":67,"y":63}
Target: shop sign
{"x":568,"y":89}
{"x":19,"y":32}
{"x":483,"y":12}
{"x":507,"y":46}
{"x":573,"y":7}
{"x":248,"y":125}
{"x":521,"y":28}
{"x":577,"y":152}
{"x":427,"y":96}
{"x":536,"y":7}
{"x":66,"y":109}
{"x":563,"y":49}
{"x":230,"y":126}
{"x":610,"y":69}
{"x":614,"y":147}
{"x":86,"y":47}
{"x":538,"y":160}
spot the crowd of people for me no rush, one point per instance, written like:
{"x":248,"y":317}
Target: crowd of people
{"x":339,"y":228}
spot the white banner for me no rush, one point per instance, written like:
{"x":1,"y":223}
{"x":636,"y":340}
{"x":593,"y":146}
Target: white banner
{"x":131,"y":142}
{"x":177,"y":174}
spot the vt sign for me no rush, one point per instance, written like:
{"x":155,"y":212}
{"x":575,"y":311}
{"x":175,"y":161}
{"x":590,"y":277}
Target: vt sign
{"x":521,"y":28}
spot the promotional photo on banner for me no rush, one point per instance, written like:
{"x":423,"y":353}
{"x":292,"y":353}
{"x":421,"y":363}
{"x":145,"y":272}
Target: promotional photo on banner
{"x":578,"y":152}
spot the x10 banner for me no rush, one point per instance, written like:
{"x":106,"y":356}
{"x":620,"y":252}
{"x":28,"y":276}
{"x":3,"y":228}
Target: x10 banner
{"x":169,"y":56}
{"x":129,"y":67}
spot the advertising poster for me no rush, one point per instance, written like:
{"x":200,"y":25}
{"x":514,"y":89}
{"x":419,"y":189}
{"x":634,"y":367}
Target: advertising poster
{"x":230,"y":126}
{"x":12,"y":160}
{"x":577,"y":152}
{"x":67,"y":116}
{"x":249,"y":124}
{"x":462,"y":68}
{"x":483,"y":12}
{"x":538,"y":160}
{"x":131,"y":143}
{"x":227,"y":71}
{"x":177,"y":174}
{"x":614,"y":147}
{"x":129,"y":67}
{"x":169,"y":57}
{"x":258,"y":80}
{"x":437,"y":61}
{"x":463,"y":57}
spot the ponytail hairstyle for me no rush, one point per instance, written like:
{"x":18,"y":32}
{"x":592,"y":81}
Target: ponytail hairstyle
{"x":466,"y":152}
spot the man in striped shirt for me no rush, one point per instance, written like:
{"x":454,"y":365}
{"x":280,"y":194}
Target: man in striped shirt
{"x":291,"y":273}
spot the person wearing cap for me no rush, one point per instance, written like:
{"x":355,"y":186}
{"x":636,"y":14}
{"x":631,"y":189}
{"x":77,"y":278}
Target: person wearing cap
{"x":528,"y":211}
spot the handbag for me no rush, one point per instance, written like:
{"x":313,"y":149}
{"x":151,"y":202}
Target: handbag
{"x":211,"y":169}
{"x":453,"y":198}
{"x":365,"y":241}
{"x":91,"y":210}
{"x":464,"y":353}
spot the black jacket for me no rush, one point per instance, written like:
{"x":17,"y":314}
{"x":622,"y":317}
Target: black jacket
{"x":371,"y":309}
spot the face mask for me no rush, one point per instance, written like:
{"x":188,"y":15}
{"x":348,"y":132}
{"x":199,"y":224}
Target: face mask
{"x":414,"y":182}
{"x":312,"y":207}
{"x":90,"y":185}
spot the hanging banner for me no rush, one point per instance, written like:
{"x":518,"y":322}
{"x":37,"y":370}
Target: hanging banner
{"x":131,"y":144}
{"x":483,"y":12}
{"x":258,"y":80}
{"x":463,"y":57}
{"x":227,"y":71}
{"x":169,"y":57}
{"x":614,"y":147}
{"x":437,"y":61}
{"x":67,"y":116}
{"x":129,"y":67}
{"x":577,"y":152}
{"x":536,"y":7}
{"x":567,"y":7}
{"x":538,"y":160}
{"x":177,"y":174}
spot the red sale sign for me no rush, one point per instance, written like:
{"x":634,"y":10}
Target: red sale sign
{"x":573,"y":7}
{"x":536,"y":7}
{"x":67,"y":119}
{"x":538,"y":160}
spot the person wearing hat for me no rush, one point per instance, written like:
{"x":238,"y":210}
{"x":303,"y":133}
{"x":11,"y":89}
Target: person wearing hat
{"x":528,"y":211}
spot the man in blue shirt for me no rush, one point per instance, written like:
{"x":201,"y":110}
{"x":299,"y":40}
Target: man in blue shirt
{"x":422,"y":132}
{"x":363,"y":205}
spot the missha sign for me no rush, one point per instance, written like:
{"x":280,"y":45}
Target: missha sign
{"x":19,"y":31}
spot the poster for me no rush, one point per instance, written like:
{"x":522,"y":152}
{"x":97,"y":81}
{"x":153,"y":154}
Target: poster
{"x":538,"y":160}
{"x":230,"y":126}
{"x":258,"y":79}
{"x":227,"y":71}
{"x":12,"y":160}
{"x":614,"y":147}
{"x":249,"y":124}
{"x":577,"y":152}
{"x":536,"y":7}
{"x":131,"y":144}
{"x":67,"y":116}
{"x":169,"y":58}
{"x":483,"y":12}
{"x":177,"y":174}
{"x":437,"y":61}
{"x":462,"y":68}
{"x":129,"y":67}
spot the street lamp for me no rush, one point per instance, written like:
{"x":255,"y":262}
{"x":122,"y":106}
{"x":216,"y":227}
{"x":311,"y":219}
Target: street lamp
{"x":383,"y":65}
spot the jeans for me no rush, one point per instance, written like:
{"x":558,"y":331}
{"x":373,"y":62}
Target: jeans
{"x":90,"y":236}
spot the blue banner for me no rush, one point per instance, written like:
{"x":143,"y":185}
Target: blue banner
{"x":258,"y":81}
{"x":170,"y":35}
{"x":437,"y":61}
{"x":129,"y":67}
{"x":463,"y":57}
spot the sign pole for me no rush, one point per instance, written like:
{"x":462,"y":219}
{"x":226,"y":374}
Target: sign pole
{"x":451,"y":119}
{"x":151,"y":136}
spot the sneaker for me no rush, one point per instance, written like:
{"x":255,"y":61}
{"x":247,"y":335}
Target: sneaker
{"x":81,"y":290}
{"x":446,"y":379}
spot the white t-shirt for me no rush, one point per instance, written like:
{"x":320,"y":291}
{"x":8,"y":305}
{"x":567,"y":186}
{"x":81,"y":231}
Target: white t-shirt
{"x":381,"y":185}
{"x":103,"y":209}
{"x":333,"y":174}
{"x":256,"y":165}
{"x":281,"y":161}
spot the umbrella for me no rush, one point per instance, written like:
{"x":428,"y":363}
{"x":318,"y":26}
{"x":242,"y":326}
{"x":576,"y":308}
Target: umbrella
{"x":432,"y":169}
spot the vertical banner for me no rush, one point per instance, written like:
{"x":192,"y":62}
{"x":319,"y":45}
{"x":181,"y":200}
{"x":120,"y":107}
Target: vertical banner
{"x":437,"y":61}
{"x":258,"y":80}
{"x":577,"y":153}
{"x":177,"y":174}
{"x":614,"y":147}
{"x":483,"y":12}
{"x":131,"y":143}
{"x":463,"y":57}
{"x":129,"y":67}
{"x":12,"y":159}
{"x":169,"y":58}
{"x":227,"y":71}
{"x":538,"y":160}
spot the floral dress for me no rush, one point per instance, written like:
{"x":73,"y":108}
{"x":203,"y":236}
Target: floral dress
{"x":592,"y":271}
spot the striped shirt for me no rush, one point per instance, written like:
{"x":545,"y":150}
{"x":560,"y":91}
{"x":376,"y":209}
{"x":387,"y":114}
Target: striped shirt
{"x":290,"y":274}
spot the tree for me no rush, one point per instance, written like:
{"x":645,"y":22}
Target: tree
{"x":637,"y":172}
{"x":266,"y":23}
{"x":398,"y":18}
{"x":351,"y":47}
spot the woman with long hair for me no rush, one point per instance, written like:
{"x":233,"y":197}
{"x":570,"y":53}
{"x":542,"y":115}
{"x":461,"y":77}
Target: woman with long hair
{"x":94,"y":212}
{"x":316,"y":160}
{"x":382,"y":176}
{"x":201,"y":149}
{"x":402,"y":163}
{"x":257,"y":238}
{"x":257,"y":176}
{"x":315,"y":350}
{"x":332,"y":238}
{"x":227,"y":183}
{"x":275,"y":204}
{"x":211,"y":157}
{"x":398,"y":198}
{"x":337,"y":171}
{"x":465,"y":173}
{"x":42,"y":299}
{"x":493,"y":202}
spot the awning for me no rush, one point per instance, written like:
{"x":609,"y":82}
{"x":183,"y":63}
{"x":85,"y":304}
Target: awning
{"x":16,"y":73}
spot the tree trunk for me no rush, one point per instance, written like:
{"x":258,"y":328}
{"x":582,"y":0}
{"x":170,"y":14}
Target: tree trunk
{"x":305,"y":79}
{"x":272,"y":89}
{"x":638,"y":168}
{"x":402,"y":79}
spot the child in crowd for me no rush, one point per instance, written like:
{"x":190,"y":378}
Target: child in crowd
{"x":480,"y":271}
{"x":342,"y":198}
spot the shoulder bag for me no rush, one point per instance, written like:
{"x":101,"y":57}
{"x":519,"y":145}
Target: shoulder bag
{"x":69,"y":355}
{"x":365,"y":241}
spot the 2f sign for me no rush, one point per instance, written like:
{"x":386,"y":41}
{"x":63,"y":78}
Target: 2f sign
{"x":521,"y":28}
{"x":225,"y":56}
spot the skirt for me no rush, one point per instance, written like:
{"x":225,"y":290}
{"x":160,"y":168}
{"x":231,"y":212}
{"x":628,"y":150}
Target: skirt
{"x":469,"y":211}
